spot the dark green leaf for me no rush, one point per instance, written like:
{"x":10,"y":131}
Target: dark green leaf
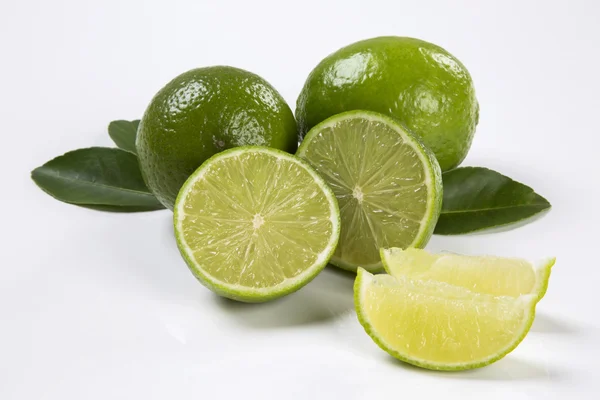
{"x":478,"y":198}
{"x":120,"y":209}
{"x":97,"y":177}
{"x":123,"y":134}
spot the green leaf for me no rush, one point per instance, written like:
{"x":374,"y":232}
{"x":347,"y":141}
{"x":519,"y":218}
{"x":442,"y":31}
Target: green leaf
{"x":97,"y":177}
{"x":123,"y":133}
{"x":478,"y":198}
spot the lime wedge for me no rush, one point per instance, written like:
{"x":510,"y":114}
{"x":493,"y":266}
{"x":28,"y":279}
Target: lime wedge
{"x":439,"y":326}
{"x":254,"y":224}
{"x":498,"y":276}
{"x":387,"y":183}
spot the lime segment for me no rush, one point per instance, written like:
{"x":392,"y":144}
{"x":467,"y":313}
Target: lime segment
{"x":498,"y":276}
{"x":439,"y":326}
{"x":387,"y":183}
{"x":254,"y":223}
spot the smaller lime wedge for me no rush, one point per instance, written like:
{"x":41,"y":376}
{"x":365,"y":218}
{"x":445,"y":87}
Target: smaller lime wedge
{"x":439,"y":326}
{"x":254,"y":223}
{"x":498,"y":276}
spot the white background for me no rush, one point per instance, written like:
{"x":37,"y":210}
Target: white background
{"x":101,"y":306}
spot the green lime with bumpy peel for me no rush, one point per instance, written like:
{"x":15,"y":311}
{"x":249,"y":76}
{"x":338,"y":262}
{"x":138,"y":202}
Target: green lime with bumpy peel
{"x":388,"y":184}
{"x":439,"y":326}
{"x":254,"y":223}
{"x":420,"y":84}
{"x":202,"y":112}
{"x":498,"y":276}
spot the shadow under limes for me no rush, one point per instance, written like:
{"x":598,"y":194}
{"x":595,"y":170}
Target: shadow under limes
{"x":328,"y":296}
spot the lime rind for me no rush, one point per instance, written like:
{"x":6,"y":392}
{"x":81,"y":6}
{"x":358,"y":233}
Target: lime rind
{"x":541,"y":269}
{"x":414,"y":81}
{"x":433,"y":178}
{"x":361,"y":284}
{"x":245,"y":293}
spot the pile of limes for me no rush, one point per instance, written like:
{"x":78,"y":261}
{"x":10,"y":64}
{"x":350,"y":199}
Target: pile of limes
{"x":377,"y":121}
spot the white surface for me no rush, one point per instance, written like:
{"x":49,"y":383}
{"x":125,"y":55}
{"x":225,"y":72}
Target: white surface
{"x":101,"y":306}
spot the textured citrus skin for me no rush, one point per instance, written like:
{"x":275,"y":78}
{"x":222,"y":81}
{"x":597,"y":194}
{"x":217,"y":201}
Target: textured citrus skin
{"x":416,"y":82}
{"x":202,"y":112}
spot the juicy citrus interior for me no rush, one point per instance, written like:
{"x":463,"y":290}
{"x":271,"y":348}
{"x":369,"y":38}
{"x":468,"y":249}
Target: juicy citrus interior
{"x":382,"y":180}
{"x":255,"y":220}
{"x":499,"y":276}
{"x":440,"y":326}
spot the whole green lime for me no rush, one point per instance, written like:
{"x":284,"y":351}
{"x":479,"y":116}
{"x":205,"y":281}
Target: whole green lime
{"x":202,"y":112}
{"x":418,"y":83}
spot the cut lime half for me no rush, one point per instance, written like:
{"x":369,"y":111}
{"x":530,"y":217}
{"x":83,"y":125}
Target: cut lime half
{"x":498,"y":276}
{"x":439,"y":326}
{"x":388,"y":184}
{"x":254,"y":223}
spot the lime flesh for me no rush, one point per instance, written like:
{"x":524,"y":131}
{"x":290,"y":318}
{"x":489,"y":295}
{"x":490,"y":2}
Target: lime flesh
{"x":387,"y":183}
{"x":439,"y":326}
{"x":255,"y":224}
{"x":498,"y":276}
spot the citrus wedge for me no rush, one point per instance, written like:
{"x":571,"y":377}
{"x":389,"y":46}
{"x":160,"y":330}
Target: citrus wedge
{"x":254,"y":224}
{"x":498,"y":276}
{"x":439,"y":326}
{"x":387,"y":183}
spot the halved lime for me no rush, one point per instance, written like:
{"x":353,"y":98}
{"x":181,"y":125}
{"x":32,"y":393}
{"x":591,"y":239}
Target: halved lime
{"x":254,"y":224}
{"x":498,"y":276}
{"x":439,"y":326}
{"x":388,"y":184}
